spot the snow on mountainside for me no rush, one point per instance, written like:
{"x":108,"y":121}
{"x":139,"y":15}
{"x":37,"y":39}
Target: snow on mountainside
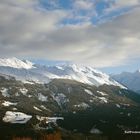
{"x":27,"y":71}
{"x":24,"y":75}
{"x":130,"y":80}
{"x":16,"y":117}
{"x":16,"y":63}
{"x":82,"y":74}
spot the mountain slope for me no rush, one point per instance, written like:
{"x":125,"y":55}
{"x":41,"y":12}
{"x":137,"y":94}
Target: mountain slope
{"x":130,"y":80}
{"x":24,"y":75}
{"x":108,"y":108}
{"x":61,"y":95}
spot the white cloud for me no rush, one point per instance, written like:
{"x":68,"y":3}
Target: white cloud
{"x":83,"y":4}
{"x":26,"y":31}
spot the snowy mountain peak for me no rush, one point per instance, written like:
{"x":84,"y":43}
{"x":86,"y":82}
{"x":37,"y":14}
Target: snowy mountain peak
{"x":16,"y":63}
{"x":77,"y":68}
{"x":83,"y":74}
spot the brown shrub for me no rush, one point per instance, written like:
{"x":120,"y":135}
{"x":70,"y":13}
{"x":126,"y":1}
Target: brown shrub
{"x":53,"y":136}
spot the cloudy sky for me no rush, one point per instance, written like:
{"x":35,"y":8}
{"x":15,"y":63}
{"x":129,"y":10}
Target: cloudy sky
{"x":100,"y":33}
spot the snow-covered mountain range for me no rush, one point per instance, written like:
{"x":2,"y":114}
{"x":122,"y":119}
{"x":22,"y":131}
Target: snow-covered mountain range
{"x":27,"y":71}
{"x":130,"y":80}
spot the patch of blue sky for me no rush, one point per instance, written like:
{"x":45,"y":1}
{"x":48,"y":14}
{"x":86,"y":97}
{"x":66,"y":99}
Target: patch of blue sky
{"x":65,"y":4}
{"x":56,"y":4}
{"x":101,"y":6}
